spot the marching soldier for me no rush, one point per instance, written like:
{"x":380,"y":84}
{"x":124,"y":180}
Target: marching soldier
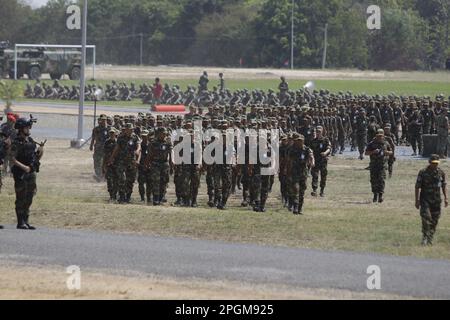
{"x":430,"y":182}
{"x":159,"y":162}
{"x":379,"y":151}
{"x":300,"y":160}
{"x":321,"y":148}
{"x":109,"y":171}
{"x":127,"y":154}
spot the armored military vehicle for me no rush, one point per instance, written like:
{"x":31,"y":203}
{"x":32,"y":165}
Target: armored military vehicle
{"x":35,"y":62}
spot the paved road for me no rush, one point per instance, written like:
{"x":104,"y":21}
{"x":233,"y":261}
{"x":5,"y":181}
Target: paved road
{"x":187,"y":259}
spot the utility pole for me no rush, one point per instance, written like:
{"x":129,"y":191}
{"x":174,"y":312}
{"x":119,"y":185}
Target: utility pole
{"x":141,"y":46}
{"x":82,"y":76}
{"x":292,"y":34}
{"x":325,"y":45}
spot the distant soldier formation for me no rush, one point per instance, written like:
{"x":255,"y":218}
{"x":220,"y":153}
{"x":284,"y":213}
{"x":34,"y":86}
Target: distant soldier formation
{"x":311,"y":127}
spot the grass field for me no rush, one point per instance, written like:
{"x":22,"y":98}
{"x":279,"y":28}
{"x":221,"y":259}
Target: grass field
{"x":371,"y":87}
{"x":346,"y":219}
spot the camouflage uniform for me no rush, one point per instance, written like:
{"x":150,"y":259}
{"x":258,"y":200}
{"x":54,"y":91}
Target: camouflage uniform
{"x":319,"y":146}
{"x":24,"y":151}
{"x":109,"y":171}
{"x":283,"y":151}
{"x":430,"y":182}
{"x":378,"y":166}
{"x":99,"y":135}
{"x":361,"y":133}
{"x":298,"y":175}
{"x":190,"y":179}
{"x":126,"y":169}
{"x":145,"y":187}
{"x":442,"y":132}
{"x":222,"y":181}
{"x":160,"y":167}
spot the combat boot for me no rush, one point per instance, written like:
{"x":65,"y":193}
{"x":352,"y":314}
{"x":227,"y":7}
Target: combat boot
{"x":314,"y":193}
{"x":300,"y":208}
{"x":257,"y":206}
{"x":210,"y":201}
{"x":26,"y":217}
{"x":156,"y":200}
{"x":291,"y":205}
{"x":424,"y":241}
{"x":380,"y":198}
{"x":375,"y":197}
{"x":295,"y":210}
{"x":322,"y":192}
{"x":194,"y":203}
{"x":263,"y":205}
{"x":178,"y":202}
{"x":122,"y":198}
{"x":142,"y":198}
{"x":20,"y":222}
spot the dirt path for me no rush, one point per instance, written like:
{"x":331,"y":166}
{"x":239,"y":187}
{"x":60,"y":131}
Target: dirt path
{"x":26,"y":282}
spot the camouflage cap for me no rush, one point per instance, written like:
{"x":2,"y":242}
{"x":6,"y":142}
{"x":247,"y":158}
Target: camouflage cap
{"x":298,"y":137}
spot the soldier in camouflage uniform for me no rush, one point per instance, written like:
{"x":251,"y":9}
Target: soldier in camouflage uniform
{"x":430,"y":182}
{"x":390,"y":138}
{"x":379,"y":151}
{"x":260,"y":183}
{"x":159,"y":162}
{"x":109,"y":171}
{"x":361,"y":127}
{"x":415,"y":125}
{"x":144,"y":187}
{"x":127,"y":154}
{"x":282,"y":176}
{"x":99,"y":136}
{"x":190,"y":173}
{"x":442,"y":127}
{"x":223,"y":171}
{"x":300,"y":160}
{"x":321,"y":148}
{"x":26,"y":156}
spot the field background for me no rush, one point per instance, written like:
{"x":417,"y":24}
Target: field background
{"x":358,"y":82}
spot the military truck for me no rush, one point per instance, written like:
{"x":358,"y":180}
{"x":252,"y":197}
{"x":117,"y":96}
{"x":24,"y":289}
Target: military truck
{"x":35,"y":62}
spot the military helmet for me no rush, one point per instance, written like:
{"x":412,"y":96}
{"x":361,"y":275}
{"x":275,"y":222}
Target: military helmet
{"x":22,"y":123}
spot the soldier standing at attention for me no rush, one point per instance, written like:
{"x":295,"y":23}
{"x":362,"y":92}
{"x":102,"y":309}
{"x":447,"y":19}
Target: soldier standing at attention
{"x":430,"y":182}
{"x":223,"y":172}
{"x":26,"y":156}
{"x":142,"y":172}
{"x":283,"y":86}
{"x":127,"y":155}
{"x":99,"y":136}
{"x":222,"y":83}
{"x":159,"y":162}
{"x":203,"y":82}
{"x":109,"y":171}
{"x":442,"y":132}
{"x":321,"y":148}
{"x":300,"y":160}
{"x":415,"y":123}
{"x":379,"y":151}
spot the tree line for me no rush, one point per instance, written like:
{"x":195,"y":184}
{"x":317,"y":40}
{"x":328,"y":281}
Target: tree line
{"x":414,"y":34}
